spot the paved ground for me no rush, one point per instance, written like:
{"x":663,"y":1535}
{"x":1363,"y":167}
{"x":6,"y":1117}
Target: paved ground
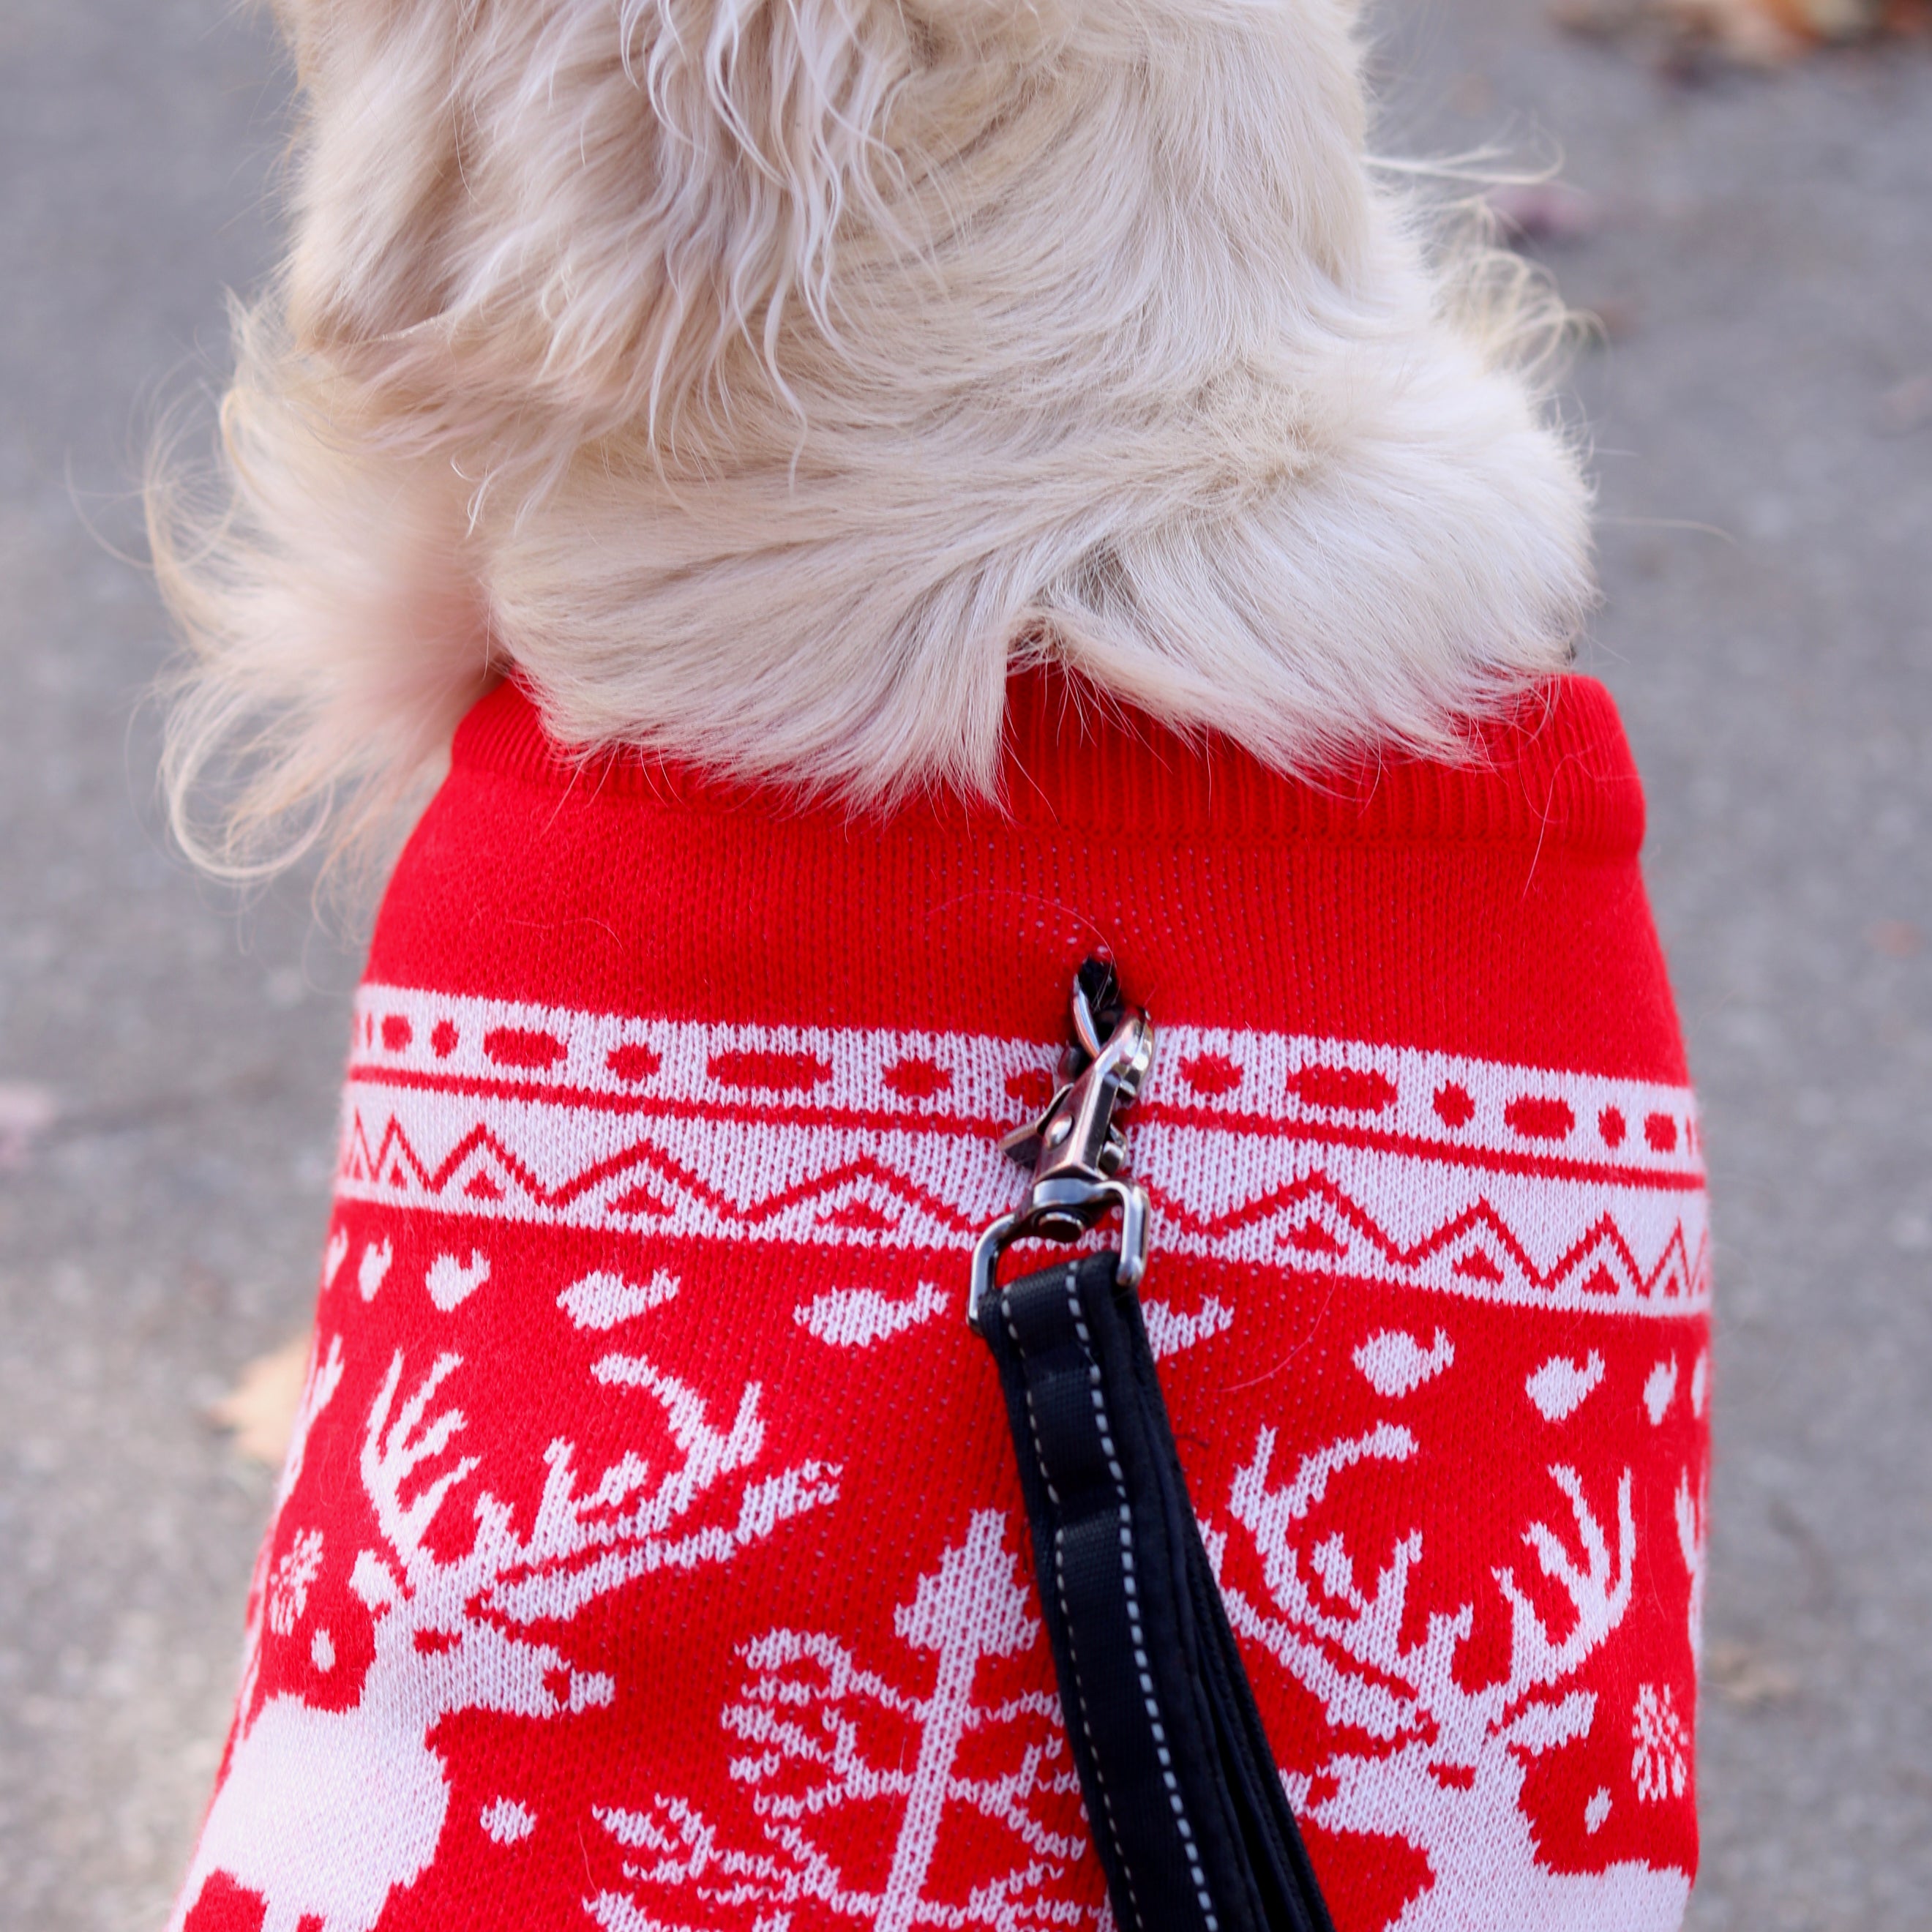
{"x":1766,"y":267}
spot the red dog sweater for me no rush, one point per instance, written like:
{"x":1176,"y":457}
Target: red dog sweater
{"x":650,"y":1556}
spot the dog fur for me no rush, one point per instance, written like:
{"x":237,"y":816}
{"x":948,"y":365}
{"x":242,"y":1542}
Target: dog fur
{"x":760,"y":380}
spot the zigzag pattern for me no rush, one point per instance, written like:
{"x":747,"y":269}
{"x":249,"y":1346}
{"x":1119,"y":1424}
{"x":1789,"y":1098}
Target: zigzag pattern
{"x":480,"y":1170}
{"x":1532,"y":1241}
{"x":1467,"y":1239}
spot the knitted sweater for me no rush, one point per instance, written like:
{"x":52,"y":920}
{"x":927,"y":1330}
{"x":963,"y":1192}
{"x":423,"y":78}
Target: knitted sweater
{"x":650,"y":1555}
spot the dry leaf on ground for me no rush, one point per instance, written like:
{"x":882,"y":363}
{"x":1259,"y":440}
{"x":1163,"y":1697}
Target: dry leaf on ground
{"x":260,"y":1409}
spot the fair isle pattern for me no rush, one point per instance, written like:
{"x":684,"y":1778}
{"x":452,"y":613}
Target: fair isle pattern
{"x":1504,"y":1183}
{"x":650,"y":1556}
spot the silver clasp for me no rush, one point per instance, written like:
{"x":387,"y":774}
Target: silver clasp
{"x":1076,"y":1149}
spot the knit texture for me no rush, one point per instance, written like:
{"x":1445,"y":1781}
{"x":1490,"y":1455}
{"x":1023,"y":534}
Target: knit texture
{"x":649,"y":1555}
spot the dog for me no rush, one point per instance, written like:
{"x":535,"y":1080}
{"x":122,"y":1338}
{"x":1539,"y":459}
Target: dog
{"x":882,"y":498}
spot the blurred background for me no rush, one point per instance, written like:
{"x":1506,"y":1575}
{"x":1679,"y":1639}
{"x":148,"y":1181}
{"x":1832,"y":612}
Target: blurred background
{"x":1758,"y":246}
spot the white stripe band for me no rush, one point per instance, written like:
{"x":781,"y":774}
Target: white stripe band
{"x":1420,"y":1170}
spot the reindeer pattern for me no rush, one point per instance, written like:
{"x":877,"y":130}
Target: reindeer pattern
{"x":627,"y":1575}
{"x":328,"y":1813}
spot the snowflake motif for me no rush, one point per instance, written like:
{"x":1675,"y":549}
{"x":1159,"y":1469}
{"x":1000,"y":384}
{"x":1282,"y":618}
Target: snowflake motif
{"x":288,"y":1587}
{"x":1660,"y":1763}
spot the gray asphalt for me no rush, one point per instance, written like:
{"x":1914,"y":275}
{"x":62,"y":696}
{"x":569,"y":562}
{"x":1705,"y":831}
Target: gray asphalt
{"x":1763,"y":421}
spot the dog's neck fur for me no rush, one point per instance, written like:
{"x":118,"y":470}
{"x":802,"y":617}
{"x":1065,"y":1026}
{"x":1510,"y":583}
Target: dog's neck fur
{"x":1083,"y":333}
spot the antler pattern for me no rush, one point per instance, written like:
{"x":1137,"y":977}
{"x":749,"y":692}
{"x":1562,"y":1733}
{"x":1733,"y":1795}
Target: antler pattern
{"x":1352,"y":1657}
{"x":583,"y":1542}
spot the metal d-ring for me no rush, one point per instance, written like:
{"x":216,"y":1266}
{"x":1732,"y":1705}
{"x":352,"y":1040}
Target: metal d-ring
{"x":1094,"y":1204}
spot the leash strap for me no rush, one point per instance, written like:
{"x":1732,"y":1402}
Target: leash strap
{"x":1183,"y":1797}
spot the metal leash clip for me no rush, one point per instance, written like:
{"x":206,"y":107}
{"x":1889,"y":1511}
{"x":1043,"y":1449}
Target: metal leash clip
{"x":1076,"y":1149}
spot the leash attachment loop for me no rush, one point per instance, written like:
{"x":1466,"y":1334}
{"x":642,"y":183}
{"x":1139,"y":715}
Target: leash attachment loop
{"x":1076,"y":1148}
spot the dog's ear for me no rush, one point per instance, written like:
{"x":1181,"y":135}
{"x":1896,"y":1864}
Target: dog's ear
{"x":595,"y":200}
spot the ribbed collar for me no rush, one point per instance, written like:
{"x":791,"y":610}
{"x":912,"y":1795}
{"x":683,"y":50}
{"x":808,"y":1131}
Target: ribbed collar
{"x":1559,"y":771}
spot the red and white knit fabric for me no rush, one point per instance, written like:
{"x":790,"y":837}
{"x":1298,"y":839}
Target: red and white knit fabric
{"x":650,"y":1555}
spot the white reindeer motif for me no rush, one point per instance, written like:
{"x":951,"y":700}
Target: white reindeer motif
{"x":326,"y":1812}
{"x":1451,"y":1781}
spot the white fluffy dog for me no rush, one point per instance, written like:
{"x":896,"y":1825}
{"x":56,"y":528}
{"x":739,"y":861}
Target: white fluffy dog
{"x":762,"y":383}
{"x":762,"y":380}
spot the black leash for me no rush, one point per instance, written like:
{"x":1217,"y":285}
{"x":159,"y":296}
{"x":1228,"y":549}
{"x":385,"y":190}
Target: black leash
{"x":1183,"y":1797}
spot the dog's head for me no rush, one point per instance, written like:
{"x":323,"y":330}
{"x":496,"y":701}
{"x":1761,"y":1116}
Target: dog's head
{"x":762,"y":377}
{"x":594,"y":204}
